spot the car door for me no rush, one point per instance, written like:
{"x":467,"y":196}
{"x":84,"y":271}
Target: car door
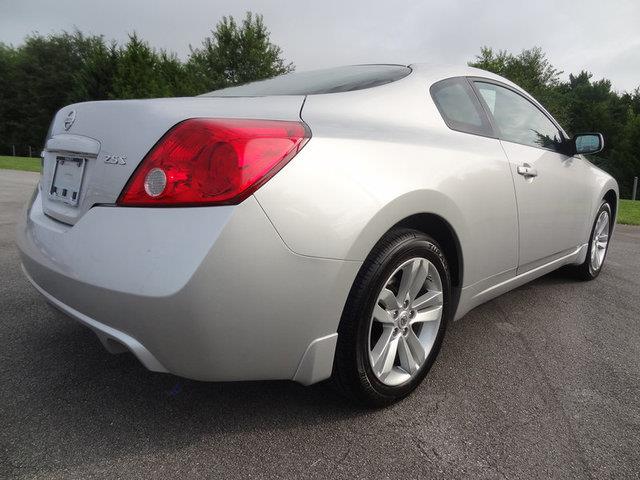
{"x":551,"y":196}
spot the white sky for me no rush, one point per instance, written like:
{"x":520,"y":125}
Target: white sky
{"x":602,"y":36}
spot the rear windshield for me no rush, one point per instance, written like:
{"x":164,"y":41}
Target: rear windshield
{"x":330,"y":80}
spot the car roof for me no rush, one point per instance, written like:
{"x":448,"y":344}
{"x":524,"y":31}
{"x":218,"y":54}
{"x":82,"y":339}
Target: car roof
{"x":434,"y":72}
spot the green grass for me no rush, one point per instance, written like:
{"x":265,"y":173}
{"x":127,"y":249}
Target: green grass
{"x":629,"y":212}
{"x":20,"y":163}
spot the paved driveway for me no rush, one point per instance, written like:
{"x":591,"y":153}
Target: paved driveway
{"x":542,"y":382}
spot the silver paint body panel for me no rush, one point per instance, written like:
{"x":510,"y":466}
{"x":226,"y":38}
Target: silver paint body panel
{"x":208,"y":293}
{"x":256,"y":291}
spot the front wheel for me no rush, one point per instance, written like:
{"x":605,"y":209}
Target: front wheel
{"x":394,"y":319}
{"x":598,"y":244}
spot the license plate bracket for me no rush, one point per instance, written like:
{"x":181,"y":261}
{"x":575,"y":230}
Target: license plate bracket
{"x":67,"y":179}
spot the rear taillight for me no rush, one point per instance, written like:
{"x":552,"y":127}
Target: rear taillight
{"x":206,"y":161}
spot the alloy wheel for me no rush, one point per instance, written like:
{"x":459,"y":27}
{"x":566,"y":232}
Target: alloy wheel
{"x":405,"y":321}
{"x":600,"y":240}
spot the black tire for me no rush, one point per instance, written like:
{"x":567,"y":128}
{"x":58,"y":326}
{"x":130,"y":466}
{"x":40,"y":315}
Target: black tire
{"x":585,"y":270}
{"x":352,"y":373}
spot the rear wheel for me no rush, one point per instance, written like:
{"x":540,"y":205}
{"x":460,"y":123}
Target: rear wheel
{"x":598,"y":244}
{"x":394,"y":319}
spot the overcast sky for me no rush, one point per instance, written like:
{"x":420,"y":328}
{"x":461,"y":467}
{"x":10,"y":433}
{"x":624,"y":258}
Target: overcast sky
{"x":602,"y":36}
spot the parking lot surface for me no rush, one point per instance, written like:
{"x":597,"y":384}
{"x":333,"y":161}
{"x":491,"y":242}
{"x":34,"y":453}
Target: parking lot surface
{"x":543,"y":382}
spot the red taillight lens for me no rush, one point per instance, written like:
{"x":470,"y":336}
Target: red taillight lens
{"x":206,"y":161}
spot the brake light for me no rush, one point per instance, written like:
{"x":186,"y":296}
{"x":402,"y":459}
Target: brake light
{"x":206,"y":161}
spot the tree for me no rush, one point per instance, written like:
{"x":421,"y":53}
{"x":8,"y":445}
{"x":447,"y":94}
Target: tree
{"x":44,"y":76}
{"x":94,"y":80}
{"x":9,"y":123}
{"x":136,"y":75}
{"x":235,"y":54}
{"x":530,"y":68}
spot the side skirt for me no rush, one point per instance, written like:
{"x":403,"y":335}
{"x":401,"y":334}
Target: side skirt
{"x":471,"y":298}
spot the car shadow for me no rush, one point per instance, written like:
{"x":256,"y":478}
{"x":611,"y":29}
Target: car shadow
{"x":73,"y":381}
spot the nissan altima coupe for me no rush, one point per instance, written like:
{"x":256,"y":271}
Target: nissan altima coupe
{"x":314,"y":225}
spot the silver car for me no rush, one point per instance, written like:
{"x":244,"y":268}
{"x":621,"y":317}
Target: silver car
{"x":320,"y":224}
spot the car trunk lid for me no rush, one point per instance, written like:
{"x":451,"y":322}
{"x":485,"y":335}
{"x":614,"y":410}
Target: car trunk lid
{"x":94,"y":147}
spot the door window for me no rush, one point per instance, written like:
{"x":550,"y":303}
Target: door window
{"x":517,"y":119}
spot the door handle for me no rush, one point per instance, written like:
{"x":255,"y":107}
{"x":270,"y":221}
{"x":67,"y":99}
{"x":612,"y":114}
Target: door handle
{"x":527,"y":171}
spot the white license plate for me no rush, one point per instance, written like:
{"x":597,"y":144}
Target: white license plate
{"x":67,"y":179}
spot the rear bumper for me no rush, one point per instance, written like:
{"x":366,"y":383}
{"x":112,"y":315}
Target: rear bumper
{"x":209,"y":293}
{"x":111,"y":338}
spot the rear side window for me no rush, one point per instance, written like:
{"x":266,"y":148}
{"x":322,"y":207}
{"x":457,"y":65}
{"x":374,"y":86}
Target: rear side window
{"x":330,"y":80}
{"x":460,"y":107}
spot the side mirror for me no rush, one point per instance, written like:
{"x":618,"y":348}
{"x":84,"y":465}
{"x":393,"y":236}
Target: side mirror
{"x":585,"y":143}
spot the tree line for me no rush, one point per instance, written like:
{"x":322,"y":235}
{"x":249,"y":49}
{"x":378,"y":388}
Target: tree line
{"x":45,"y":73}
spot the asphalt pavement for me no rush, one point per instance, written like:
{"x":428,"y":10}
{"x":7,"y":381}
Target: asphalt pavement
{"x":543,"y":382}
